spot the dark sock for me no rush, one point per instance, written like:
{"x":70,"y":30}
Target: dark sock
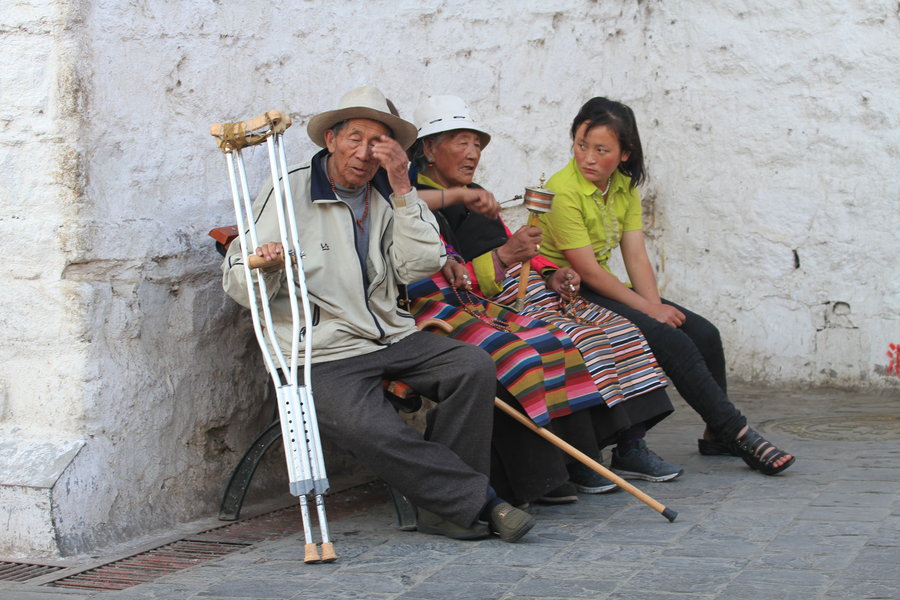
{"x":492,"y":501}
{"x":631,"y":438}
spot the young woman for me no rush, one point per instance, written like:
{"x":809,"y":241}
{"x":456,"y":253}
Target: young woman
{"x":631,"y":396}
{"x":597,"y":209}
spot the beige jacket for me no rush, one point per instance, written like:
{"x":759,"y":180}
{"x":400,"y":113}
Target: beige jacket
{"x":348,"y":318}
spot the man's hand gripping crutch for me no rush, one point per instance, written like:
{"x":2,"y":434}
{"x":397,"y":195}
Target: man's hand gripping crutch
{"x":300,"y":432}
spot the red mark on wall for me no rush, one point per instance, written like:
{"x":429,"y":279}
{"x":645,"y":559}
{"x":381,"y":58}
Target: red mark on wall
{"x":893,"y":353}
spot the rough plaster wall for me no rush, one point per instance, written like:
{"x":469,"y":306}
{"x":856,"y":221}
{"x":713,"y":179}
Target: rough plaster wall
{"x":769,"y":129}
{"x":773,"y":149}
{"x":43,"y":354}
{"x":40,"y":321}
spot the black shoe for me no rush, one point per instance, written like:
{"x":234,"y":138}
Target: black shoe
{"x":428,"y":522}
{"x":564,"y":494}
{"x":509,"y":522}
{"x":588,"y":481}
{"x":640,"y":462}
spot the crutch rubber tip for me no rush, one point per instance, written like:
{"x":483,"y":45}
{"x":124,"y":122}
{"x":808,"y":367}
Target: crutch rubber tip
{"x":311,"y":554}
{"x":328,"y":554}
{"x":669,"y":514}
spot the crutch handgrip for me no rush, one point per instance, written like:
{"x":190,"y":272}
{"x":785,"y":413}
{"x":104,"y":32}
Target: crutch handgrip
{"x":233,"y":136}
{"x":258,"y":262}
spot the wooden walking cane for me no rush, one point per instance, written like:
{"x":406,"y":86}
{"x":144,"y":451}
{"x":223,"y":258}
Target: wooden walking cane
{"x":564,"y":445}
{"x":296,"y":408}
{"x":537,"y":200}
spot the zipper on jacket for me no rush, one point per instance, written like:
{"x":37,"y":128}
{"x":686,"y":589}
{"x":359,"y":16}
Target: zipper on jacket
{"x":362,"y":275}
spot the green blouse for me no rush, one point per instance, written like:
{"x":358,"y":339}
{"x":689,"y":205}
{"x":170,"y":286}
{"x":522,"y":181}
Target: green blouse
{"x":580,"y":216}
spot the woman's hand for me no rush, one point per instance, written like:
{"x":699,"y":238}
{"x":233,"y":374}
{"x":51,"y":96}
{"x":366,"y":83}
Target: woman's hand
{"x":481,"y":202}
{"x":666,"y":314}
{"x":390,"y":155}
{"x":565,"y":282}
{"x":523,"y":245}
{"x":456,"y":275}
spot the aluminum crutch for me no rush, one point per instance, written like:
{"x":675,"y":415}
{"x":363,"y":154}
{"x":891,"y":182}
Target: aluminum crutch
{"x":296,"y":407}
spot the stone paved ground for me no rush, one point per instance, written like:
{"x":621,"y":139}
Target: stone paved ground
{"x":827,"y":528}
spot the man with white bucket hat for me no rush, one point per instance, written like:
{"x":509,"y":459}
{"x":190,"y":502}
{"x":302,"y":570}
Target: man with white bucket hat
{"x":363,"y":231}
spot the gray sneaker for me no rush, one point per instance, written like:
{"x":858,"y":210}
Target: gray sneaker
{"x":643,"y":463}
{"x":588,"y":481}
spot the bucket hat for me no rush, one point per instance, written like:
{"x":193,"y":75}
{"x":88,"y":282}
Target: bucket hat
{"x":446,"y":113}
{"x":366,"y":102}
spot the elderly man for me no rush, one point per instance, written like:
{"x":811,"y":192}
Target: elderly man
{"x":363,"y":230}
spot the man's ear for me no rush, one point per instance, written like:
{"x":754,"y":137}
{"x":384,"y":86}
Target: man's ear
{"x":330,"y":141}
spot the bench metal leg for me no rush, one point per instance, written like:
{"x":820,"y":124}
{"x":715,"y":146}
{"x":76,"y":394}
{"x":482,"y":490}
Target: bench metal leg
{"x":230,"y":509}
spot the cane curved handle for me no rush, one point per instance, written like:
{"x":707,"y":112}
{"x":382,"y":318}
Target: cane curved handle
{"x":433,"y":322}
{"x":234,"y":136}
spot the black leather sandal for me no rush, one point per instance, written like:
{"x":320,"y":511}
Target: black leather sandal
{"x":752,"y":447}
{"x":715,"y":448}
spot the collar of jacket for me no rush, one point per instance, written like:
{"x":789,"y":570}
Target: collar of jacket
{"x":321,"y":187}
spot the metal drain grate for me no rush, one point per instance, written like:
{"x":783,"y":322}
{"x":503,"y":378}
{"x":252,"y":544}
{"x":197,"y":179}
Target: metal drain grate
{"x":213,"y":543}
{"x":11,"y":571}
{"x":149,"y":565}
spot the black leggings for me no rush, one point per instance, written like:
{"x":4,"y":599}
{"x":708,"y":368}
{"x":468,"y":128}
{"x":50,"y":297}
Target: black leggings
{"x":692,"y":357}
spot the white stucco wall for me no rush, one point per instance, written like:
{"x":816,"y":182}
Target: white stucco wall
{"x":770,"y":131}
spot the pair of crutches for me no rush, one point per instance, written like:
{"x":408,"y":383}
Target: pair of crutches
{"x":296,"y":408}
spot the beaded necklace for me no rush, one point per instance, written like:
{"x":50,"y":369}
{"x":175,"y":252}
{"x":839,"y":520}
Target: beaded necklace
{"x":359,"y":221}
{"x":612,"y":230}
{"x":469,"y":308}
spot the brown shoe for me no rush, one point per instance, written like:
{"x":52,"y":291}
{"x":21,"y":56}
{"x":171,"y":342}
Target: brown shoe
{"x":428,"y":522}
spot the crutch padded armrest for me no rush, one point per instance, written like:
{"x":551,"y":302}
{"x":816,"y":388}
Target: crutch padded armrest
{"x":223,"y":236}
{"x":403,"y":397}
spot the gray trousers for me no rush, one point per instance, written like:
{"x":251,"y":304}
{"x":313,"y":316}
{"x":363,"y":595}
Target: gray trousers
{"x":446,"y":472}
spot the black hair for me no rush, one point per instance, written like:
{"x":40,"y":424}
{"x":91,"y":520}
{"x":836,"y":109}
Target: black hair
{"x":416,"y":152}
{"x":620,"y":118}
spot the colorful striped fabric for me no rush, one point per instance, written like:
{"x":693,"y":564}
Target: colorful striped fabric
{"x":614,"y":350}
{"x":536,"y":362}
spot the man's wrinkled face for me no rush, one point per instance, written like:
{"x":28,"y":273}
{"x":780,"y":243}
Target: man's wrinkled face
{"x":352,"y":164}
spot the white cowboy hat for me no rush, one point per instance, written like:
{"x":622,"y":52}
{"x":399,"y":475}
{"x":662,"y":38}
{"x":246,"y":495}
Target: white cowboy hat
{"x":446,"y":113}
{"x":366,"y":102}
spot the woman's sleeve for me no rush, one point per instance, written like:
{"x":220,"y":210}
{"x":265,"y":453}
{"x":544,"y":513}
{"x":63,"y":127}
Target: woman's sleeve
{"x":485,"y":274}
{"x":633,"y":220}
{"x":565,"y":222}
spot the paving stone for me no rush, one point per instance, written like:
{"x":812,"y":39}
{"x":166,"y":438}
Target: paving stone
{"x":539,"y":587}
{"x":768,"y":591}
{"x":844,"y":513}
{"x":863,"y":590}
{"x":611,"y":568}
{"x":829,"y":527}
{"x":687,"y":575}
{"x":817,"y":561}
{"x":460,"y":591}
{"x":631,"y":594}
{"x":258,"y":589}
{"x":784,"y":576}
{"x":453,"y":574}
